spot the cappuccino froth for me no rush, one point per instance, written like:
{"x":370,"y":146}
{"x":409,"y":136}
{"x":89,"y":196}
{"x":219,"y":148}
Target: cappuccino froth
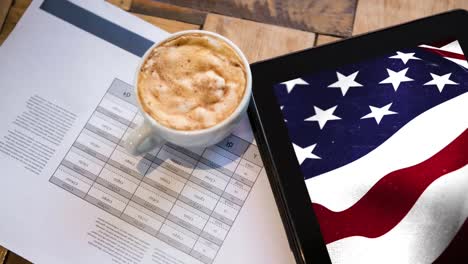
{"x":191,"y":82}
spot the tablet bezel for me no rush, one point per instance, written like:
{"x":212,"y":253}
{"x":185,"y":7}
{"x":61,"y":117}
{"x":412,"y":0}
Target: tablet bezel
{"x":271,"y":133}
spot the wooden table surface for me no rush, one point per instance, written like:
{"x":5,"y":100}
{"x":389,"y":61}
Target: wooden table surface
{"x":261,"y":28}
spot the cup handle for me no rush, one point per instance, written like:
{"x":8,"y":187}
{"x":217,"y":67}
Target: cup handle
{"x":142,"y":140}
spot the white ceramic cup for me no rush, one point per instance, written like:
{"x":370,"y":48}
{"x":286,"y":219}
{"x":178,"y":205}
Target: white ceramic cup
{"x":151,"y":133}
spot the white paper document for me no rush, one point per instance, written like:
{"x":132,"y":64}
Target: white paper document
{"x":69,"y":191}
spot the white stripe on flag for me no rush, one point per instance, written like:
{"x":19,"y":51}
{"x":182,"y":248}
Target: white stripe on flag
{"x":417,"y":141}
{"x":463,"y":63}
{"x":422,"y":235}
{"x":453,"y":46}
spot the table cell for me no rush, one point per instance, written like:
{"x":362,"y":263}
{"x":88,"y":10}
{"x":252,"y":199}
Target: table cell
{"x":226,"y":211}
{"x":159,"y":187}
{"x":124,"y":185}
{"x":87,"y":163}
{"x":247,"y":172}
{"x":134,"y":165}
{"x":160,"y":177}
{"x":188,"y":217}
{"x":206,"y":185}
{"x":114,"y":188}
{"x":234,"y":145}
{"x":184,"y":224}
{"x":201,"y":257}
{"x":71,"y":181}
{"x":87,"y":156}
{"x":200,"y":196}
{"x":232,"y":198}
{"x":204,"y":250}
{"x":153,"y":200}
{"x":214,"y":232}
{"x":96,"y":143}
{"x":182,"y":157}
{"x":220,"y":161}
{"x":117,"y":109}
{"x":119,"y":172}
{"x":219,"y":224}
{"x":68,"y":186}
{"x":137,"y":121}
{"x":157,"y":163}
{"x":224,"y":153}
{"x":78,"y":170}
{"x":242,"y":179}
{"x":158,"y":192}
{"x":194,"y":205}
{"x":146,"y":211}
{"x":125,"y":169}
{"x":102,"y":133}
{"x":101,"y":197}
{"x":154,"y":152}
{"x":107,"y":125}
{"x":122,"y":103}
{"x":211,"y":179}
{"x":124,"y":91}
{"x":180,"y":162}
{"x":214,"y":170}
{"x":150,"y":155}
{"x":197,"y":150}
{"x":113,"y":115}
{"x":142,"y":220}
{"x":253,"y":155}
{"x":236,"y":192}
{"x":75,"y":174}
{"x":252,"y":168}
{"x":194,"y":153}
{"x":177,"y":237}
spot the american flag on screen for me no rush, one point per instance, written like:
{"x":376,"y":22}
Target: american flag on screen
{"x":383,"y":147}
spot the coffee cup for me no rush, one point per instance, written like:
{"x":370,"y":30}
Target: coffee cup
{"x":152,"y":132}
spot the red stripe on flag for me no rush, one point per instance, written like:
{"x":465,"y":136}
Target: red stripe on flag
{"x":442,"y":43}
{"x":391,"y":198}
{"x":456,"y":252}
{"x":447,"y":54}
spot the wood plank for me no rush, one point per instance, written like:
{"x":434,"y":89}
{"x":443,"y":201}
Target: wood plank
{"x":166,"y":24}
{"x":4,"y":8}
{"x":375,"y":14}
{"x":124,"y":4}
{"x":257,"y":40}
{"x":3,"y":253}
{"x":21,"y":4}
{"x":322,"y":16}
{"x":168,"y":11}
{"x":13,"y":258}
{"x":15,"y":13}
{"x":324,"y":39}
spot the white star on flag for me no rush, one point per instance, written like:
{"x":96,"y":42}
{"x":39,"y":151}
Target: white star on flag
{"x":441,"y":81}
{"x":395,"y":78}
{"x":305,"y":153}
{"x":291,"y":83}
{"x":379,"y":113}
{"x":405,"y":57}
{"x":323,"y":116}
{"x":345,"y":82}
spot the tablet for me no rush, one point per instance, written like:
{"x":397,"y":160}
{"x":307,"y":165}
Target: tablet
{"x":365,"y":143}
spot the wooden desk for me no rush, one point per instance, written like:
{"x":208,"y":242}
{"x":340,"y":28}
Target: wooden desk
{"x":262,"y":29}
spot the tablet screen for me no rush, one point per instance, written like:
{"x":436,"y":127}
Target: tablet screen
{"x":383,"y":147}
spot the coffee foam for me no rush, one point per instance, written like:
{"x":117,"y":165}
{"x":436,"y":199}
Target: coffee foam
{"x":194,"y":81}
